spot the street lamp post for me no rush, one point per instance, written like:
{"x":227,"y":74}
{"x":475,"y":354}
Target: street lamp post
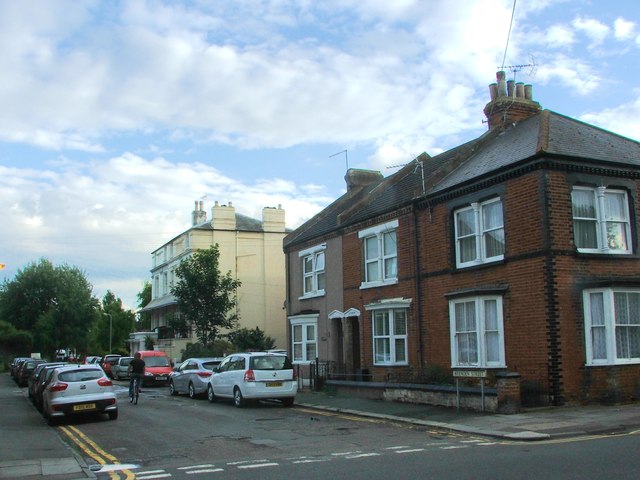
{"x":110,"y":328}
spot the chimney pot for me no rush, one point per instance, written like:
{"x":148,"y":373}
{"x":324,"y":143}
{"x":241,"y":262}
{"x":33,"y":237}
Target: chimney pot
{"x":493,"y":91}
{"x":519,"y":90}
{"x":511,"y":88}
{"x":528,"y":92}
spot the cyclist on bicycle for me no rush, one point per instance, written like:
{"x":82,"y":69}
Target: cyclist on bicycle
{"x":136,"y":371}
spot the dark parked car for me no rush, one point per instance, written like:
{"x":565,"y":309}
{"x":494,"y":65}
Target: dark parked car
{"x":32,"y":383}
{"x":25,"y":371}
{"x":15,"y":365}
{"x":42,"y":381}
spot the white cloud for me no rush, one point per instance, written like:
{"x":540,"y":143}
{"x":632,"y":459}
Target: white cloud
{"x":623,"y":119}
{"x":108,"y":218}
{"x":559,"y":36}
{"x":623,"y":29}
{"x":594,"y":29}
{"x":577,"y":74}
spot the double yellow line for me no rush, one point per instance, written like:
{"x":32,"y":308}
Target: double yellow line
{"x":93,"y":450}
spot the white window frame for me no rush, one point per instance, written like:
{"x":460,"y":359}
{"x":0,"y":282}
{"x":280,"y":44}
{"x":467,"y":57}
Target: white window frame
{"x":602,"y":220}
{"x":480,"y":234}
{"x":314,"y":254}
{"x":478,"y":303}
{"x":607,"y":326}
{"x":306,"y":324}
{"x":391,"y":307}
{"x":380,"y":260}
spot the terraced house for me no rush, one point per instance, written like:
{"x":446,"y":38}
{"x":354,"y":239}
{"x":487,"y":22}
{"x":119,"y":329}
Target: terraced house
{"x":516,"y":252}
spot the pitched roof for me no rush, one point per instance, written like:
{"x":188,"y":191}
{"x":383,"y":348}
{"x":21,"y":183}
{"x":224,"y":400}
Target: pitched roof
{"x":544,"y":134}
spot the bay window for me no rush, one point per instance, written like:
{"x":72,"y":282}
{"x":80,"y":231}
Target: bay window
{"x":612,"y":326}
{"x":477,"y":337}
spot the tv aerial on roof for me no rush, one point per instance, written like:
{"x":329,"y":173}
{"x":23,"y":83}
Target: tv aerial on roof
{"x":532,"y":67}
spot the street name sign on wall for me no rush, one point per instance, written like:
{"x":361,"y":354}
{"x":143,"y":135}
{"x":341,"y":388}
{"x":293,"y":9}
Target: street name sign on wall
{"x":470,"y":373}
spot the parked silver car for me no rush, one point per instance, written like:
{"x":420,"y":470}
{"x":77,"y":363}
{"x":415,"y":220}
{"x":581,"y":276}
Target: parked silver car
{"x":120,"y":369}
{"x":254,"y":376}
{"x":192,"y":376}
{"x":76,"y":389}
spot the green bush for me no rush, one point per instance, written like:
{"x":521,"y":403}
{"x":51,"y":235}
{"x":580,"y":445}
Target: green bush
{"x":220,"y":348}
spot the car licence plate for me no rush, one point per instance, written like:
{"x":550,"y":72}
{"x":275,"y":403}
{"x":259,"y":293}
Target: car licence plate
{"x":161,"y":378}
{"x":274,"y":384}
{"x":86,"y":406}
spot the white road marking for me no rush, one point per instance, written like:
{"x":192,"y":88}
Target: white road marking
{"x":259,"y":465}
{"x":453,"y":447}
{"x":196,"y":466}
{"x":363,"y":455}
{"x":344,"y":454}
{"x":205,"y":470}
{"x":411,"y":451}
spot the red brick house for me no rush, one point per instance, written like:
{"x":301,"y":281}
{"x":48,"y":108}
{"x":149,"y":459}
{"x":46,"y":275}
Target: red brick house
{"x":515,"y":252}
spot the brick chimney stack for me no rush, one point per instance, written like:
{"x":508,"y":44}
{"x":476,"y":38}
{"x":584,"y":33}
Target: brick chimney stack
{"x":510,"y":103}
{"x":357,"y":179}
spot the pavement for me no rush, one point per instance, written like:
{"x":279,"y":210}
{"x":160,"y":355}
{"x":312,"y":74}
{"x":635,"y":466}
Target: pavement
{"x":31,"y":450}
{"x":529,"y":425}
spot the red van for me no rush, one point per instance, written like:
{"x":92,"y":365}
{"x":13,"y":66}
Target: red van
{"x":157,"y":367}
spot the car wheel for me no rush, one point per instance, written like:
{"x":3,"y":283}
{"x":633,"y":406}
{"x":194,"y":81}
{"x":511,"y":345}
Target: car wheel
{"x":238,"y":399}
{"x":172,"y":389}
{"x":113,"y":415}
{"x":211,"y":396}
{"x":192,"y":391}
{"x":288,"y":402}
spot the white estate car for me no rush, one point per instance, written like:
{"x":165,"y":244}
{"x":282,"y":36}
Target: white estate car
{"x":254,"y":376}
{"x":75,"y":389}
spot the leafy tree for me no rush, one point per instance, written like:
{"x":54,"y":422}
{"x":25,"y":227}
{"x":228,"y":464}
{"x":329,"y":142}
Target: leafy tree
{"x":206,"y":298}
{"x":247,"y":339}
{"x":53,"y":303}
{"x":143,"y":323}
{"x":14,"y":342}
{"x":113,"y":327}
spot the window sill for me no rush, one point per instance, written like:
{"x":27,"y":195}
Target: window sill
{"x":480,"y":263}
{"x":479,"y":367}
{"x":306,"y":296}
{"x":378,"y":284}
{"x":614,"y":364}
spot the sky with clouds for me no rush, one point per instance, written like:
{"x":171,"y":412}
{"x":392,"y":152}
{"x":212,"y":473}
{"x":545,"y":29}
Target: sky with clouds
{"x":117,"y":115}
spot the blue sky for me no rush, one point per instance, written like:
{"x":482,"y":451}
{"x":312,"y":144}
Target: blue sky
{"x":117,"y":115}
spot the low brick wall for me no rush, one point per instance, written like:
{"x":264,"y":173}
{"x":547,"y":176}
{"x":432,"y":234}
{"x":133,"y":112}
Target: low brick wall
{"x":441,"y":395}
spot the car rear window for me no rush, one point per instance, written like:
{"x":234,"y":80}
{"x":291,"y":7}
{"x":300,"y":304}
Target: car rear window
{"x":271,"y":362}
{"x":210,"y":365}
{"x":80,"y":375}
{"x":156,"y":361}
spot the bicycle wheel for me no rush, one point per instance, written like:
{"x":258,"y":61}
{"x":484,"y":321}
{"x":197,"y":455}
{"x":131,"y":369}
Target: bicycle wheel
{"x":137,"y":392}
